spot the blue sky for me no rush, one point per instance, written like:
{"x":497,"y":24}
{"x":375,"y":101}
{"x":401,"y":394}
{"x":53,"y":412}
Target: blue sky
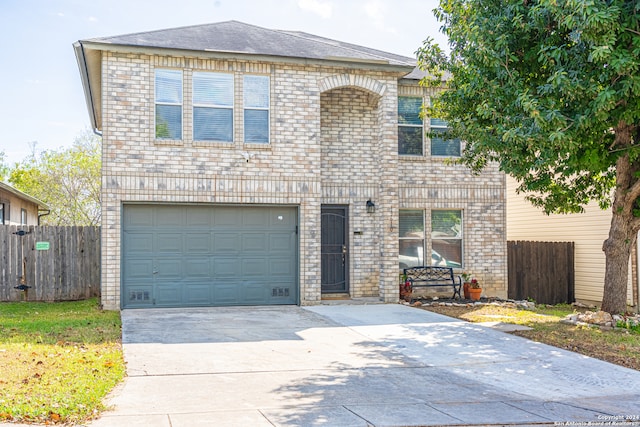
{"x":41,"y":98}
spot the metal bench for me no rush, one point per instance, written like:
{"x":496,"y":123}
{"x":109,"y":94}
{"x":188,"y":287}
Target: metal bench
{"x":431,"y":276}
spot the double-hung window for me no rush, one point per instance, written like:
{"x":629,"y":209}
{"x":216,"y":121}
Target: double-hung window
{"x":446,"y":237}
{"x":256,"y":109}
{"x":411,"y":238}
{"x":439,"y":145}
{"x":410,"y":129}
{"x":168,"y":84}
{"x":445,"y":242}
{"x":212,"y":107}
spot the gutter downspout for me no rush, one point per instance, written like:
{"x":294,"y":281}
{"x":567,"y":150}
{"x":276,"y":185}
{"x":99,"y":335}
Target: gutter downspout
{"x":84,"y":69}
{"x":40,"y":215}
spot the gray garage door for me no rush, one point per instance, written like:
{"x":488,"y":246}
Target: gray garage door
{"x":191,"y":255}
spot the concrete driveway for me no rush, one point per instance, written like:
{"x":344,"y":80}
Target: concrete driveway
{"x":353,"y":365}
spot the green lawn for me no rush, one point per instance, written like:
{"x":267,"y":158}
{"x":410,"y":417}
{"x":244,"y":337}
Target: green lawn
{"x":58,"y":360}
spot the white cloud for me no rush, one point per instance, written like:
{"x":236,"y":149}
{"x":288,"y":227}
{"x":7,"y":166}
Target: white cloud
{"x":60,"y":14}
{"x":319,"y":7}
{"x":92,"y":19}
{"x":376,"y":11}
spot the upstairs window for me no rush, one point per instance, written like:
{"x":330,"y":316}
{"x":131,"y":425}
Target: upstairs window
{"x":256,"y":109}
{"x":212,"y":107}
{"x":410,"y":129}
{"x":168,"y":104}
{"x":439,"y":145}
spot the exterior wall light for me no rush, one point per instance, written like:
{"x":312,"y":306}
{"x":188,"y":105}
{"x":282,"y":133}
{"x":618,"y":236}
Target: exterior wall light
{"x":371,"y":207}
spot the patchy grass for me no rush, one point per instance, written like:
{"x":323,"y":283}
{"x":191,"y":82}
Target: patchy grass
{"x":619,"y":346}
{"x":58,"y":360}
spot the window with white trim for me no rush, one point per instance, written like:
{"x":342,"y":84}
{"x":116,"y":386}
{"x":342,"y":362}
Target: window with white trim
{"x":439,"y":145}
{"x":23,"y":217}
{"x":168,"y":102}
{"x":213,"y":106}
{"x":410,"y":127}
{"x":256,"y":109}
{"x":446,"y":237}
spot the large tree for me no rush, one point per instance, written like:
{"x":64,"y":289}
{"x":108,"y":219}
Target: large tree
{"x":68,"y":180}
{"x":4,"y":169}
{"x":549,"y":89}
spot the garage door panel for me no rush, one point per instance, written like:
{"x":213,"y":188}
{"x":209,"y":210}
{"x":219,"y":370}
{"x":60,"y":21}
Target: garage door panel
{"x":255,"y":267}
{"x":198,"y":217}
{"x":190,"y":255}
{"x":197,"y":243}
{"x":138,"y":242}
{"x":282,"y":218}
{"x":226,"y":267}
{"x":225,"y":217}
{"x":139,"y":295}
{"x":281,"y":267}
{"x":196,"y":294}
{"x":168,"y":268}
{"x":226,"y":243}
{"x":280,"y":242}
{"x":226,"y":293}
{"x":168,"y":294}
{"x":137,"y":216}
{"x":253,"y":218}
{"x":168,"y":242}
{"x":170,"y":217}
{"x":136,"y":269}
{"x":197,"y":268}
{"x":254,"y":242}
{"x":254,"y":292}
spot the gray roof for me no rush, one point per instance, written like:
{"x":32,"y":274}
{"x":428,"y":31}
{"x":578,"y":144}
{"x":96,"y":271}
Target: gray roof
{"x":238,"y":37}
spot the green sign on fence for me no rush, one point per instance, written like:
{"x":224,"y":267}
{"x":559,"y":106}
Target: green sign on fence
{"x":42,"y":246}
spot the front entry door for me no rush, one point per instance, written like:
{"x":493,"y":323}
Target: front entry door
{"x":334,"y":249}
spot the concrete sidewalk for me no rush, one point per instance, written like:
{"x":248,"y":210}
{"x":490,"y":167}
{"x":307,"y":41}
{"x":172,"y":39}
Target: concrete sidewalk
{"x":352,"y":365}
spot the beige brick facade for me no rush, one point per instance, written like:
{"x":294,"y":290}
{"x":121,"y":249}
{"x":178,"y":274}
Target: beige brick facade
{"x":333,"y":141}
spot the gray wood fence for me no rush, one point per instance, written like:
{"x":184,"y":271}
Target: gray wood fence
{"x":543,"y":271}
{"x":56,"y":263}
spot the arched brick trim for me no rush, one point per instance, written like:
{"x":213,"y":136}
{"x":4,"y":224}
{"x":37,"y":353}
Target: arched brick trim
{"x":351,"y":80}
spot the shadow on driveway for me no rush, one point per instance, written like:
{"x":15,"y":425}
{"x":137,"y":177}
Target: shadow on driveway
{"x":352,"y":365}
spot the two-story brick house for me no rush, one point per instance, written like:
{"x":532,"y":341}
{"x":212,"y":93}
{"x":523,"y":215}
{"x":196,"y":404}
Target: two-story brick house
{"x":248,"y":166}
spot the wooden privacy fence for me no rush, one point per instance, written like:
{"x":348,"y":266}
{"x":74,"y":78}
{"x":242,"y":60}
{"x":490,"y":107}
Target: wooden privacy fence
{"x":56,"y":263}
{"x":542,"y":271}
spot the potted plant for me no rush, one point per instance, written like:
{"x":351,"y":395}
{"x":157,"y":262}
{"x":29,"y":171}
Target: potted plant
{"x":475,"y":290}
{"x":405,"y":288}
{"x":466,"y":284}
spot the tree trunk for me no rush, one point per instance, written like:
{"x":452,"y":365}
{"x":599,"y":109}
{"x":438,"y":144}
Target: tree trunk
{"x":617,"y":249}
{"x":624,"y":228}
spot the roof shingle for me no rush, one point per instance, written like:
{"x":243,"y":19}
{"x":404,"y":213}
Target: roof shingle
{"x":238,"y":37}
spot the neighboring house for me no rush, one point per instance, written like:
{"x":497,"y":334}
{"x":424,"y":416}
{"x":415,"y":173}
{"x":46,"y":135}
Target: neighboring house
{"x":18,"y":208}
{"x":588,"y":231}
{"x":248,"y":166}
